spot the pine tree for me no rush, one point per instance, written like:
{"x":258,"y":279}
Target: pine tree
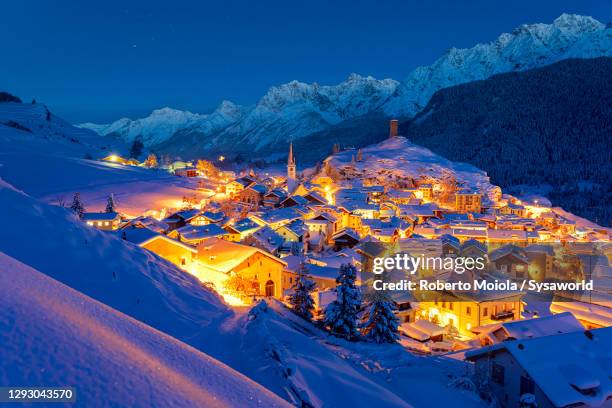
{"x":77,"y":206}
{"x":301,"y":300}
{"x":380,"y":323}
{"x":359,"y":155}
{"x":110,"y":204}
{"x":341,"y":314}
{"x":136,"y":149}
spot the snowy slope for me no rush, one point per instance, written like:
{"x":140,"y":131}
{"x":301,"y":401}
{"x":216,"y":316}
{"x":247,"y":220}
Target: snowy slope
{"x":297,"y":359}
{"x":47,"y":163}
{"x":398,"y":157}
{"x":41,"y":129}
{"x":123,"y":276}
{"x":52,"y":335}
{"x":296,"y":110}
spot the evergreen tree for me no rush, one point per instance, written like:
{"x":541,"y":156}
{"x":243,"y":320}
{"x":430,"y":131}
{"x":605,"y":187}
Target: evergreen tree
{"x":136,"y":149}
{"x":341,"y":314}
{"x":301,"y":300}
{"x":359,"y":155}
{"x":77,"y":206}
{"x":110,"y":204}
{"x":380,"y":323}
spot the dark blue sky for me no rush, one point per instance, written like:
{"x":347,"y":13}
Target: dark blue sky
{"x":98,"y":61}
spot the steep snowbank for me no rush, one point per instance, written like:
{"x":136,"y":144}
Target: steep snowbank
{"x":52,"y":335}
{"x":121,"y":275}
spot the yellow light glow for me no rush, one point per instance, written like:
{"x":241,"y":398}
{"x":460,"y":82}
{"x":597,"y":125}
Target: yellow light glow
{"x":221,"y":158}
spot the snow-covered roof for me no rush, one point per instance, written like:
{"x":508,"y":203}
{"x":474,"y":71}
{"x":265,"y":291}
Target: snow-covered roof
{"x":198,"y":232}
{"x":347,"y":231}
{"x":213,"y":216}
{"x":513,"y":250}
{"x":100,"y":216}
{"x":530,"y":328}
{"x":170,"y":241}
{"x":224,"y":256}
{"x":136,"y":235}
{"x":570,"y":369}
{"x":185,"y":214}
{"x":314,"y":270}
{"x":244,"y":225}
{"x":300,"y":200}
{"x":266,"y":238}
{"x":599,"y":314}
{"x":277,"y":215}
{"x":474,"y":243}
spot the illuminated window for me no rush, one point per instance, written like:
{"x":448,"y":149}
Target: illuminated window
{"x":89,"y":223}
{"x":99,"y":223}
{"x":106,"y":223}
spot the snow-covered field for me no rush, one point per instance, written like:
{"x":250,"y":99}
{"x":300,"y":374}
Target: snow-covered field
{"x":52,"y":335}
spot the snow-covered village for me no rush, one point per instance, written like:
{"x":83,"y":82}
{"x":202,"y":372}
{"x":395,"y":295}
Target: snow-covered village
{"x":252,"y":256}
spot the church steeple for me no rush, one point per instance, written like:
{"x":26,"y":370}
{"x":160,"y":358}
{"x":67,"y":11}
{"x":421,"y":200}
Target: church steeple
{"x":290,"y":159}
{"x":291,"y":169}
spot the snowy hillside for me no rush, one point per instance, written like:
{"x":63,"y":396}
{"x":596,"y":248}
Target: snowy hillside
{"x":397,"y":158}
{"x":47,"y":163}
{"x":316,"y":369}
{"x":296,"y":110}
{"x":52,"y":335}
{"x":125,"y":277}
{"x":35,"y":126}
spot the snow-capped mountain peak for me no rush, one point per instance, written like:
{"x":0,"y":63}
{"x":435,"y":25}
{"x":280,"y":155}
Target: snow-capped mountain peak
{"x":297,"y":109}
{"x":527,"y":46}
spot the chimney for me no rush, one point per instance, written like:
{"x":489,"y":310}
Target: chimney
{"x":393,"y":128}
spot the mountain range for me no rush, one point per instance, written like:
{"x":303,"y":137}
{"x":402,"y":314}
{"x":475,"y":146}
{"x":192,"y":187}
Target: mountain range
{"x":359,"y":106}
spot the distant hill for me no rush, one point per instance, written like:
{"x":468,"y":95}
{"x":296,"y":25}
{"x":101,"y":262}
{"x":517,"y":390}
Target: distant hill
{"x":546,"y":126}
